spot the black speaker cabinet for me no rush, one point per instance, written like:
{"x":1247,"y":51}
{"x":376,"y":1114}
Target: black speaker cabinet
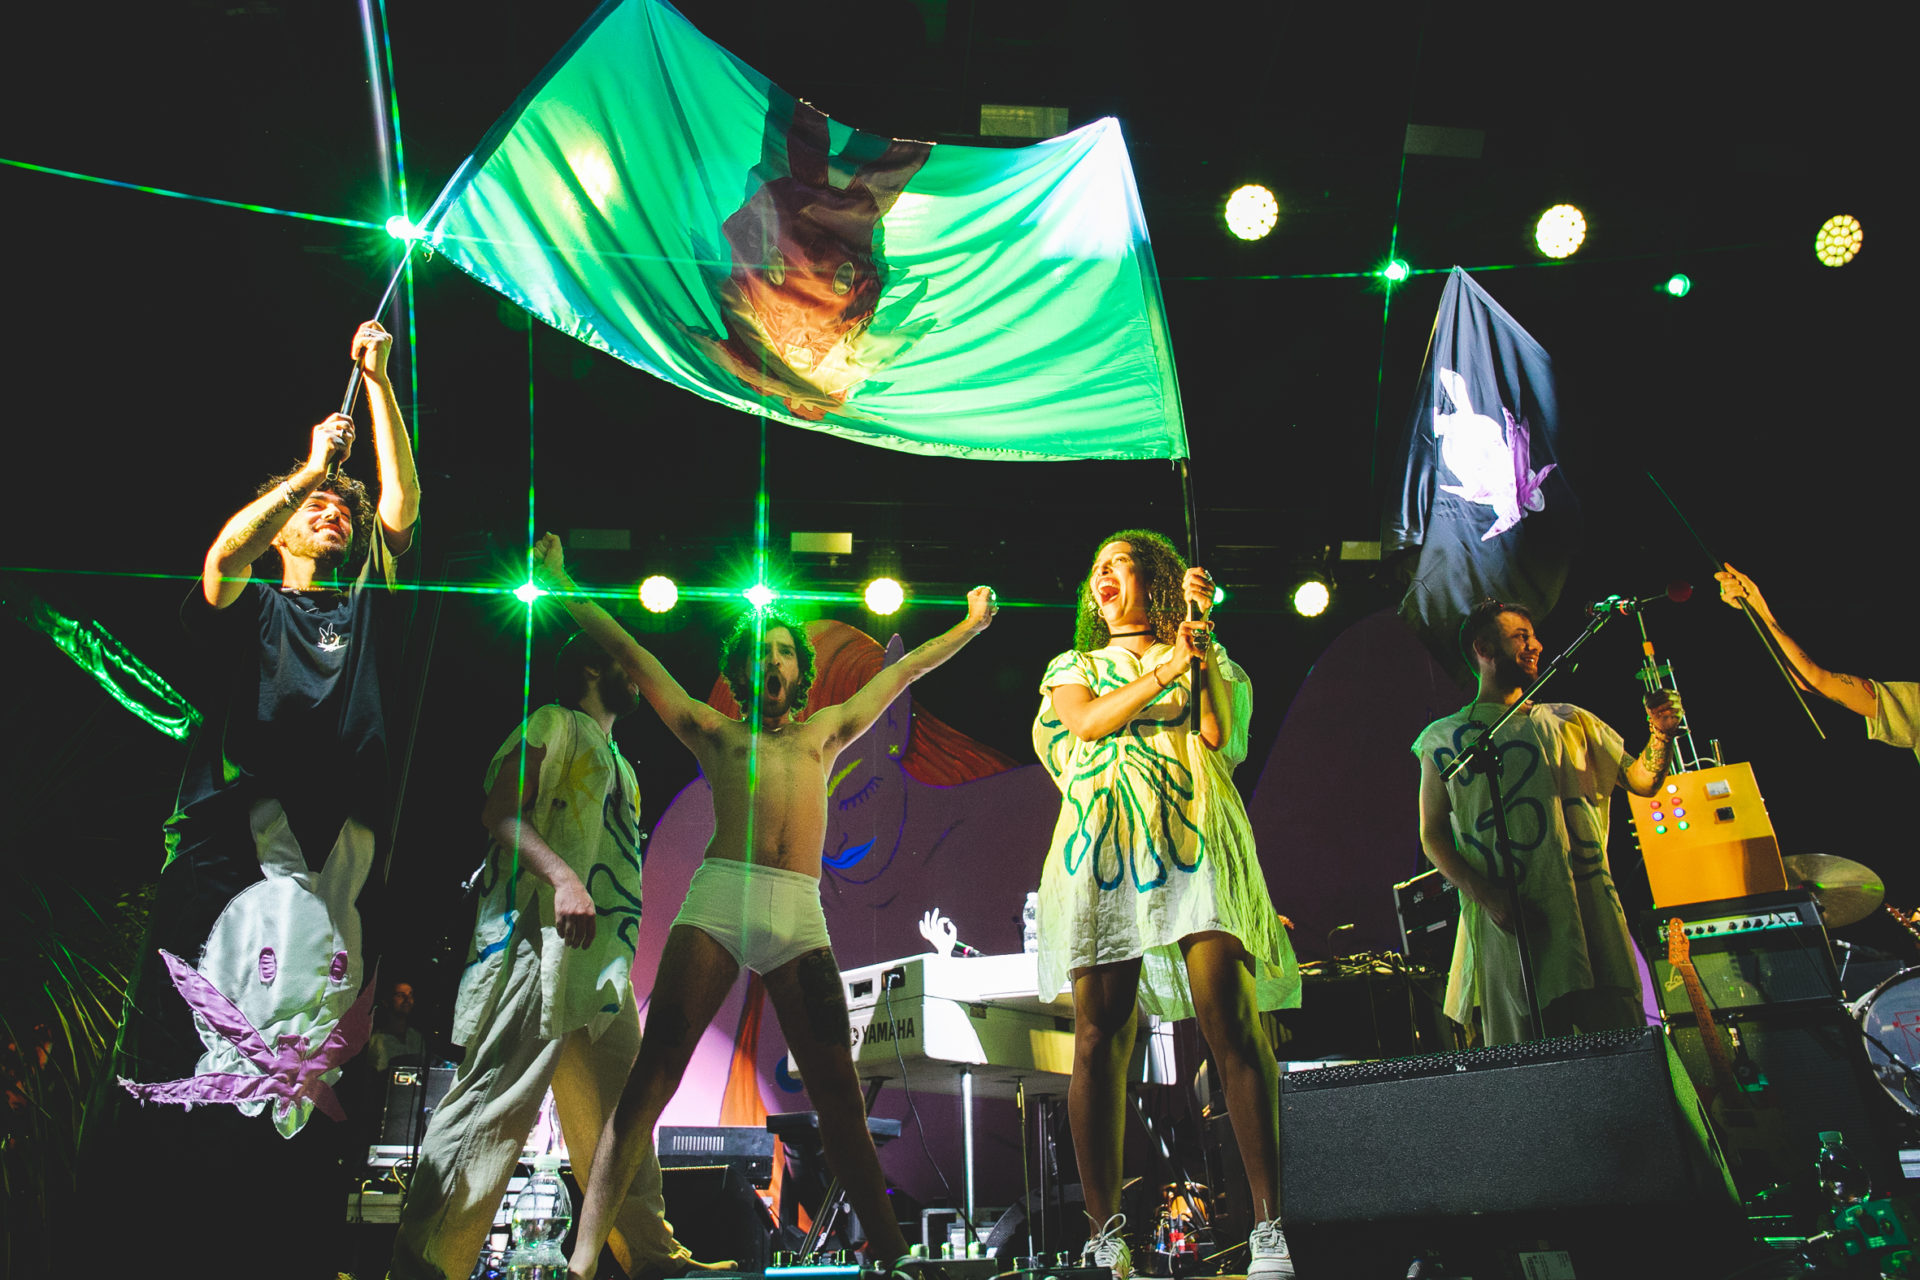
{"x":716,"y":1213}
{"x":1581,"y":1142}
{"x":1813,"y":1063}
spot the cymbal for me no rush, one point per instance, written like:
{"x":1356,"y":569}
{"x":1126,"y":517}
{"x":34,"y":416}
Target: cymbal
{"x":1847,"y":891}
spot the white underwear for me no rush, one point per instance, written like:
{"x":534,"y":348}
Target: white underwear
{"x":763,"y":916}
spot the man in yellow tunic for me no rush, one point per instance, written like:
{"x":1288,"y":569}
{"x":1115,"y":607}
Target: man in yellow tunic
{"x":1558,"y":767}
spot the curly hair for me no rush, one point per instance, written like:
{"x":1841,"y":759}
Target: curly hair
{"x":734,"y":667}
{"x":358,"y":501}
{"x":1161,"y":567}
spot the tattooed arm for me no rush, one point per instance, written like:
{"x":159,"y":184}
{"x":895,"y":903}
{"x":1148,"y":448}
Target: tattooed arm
{"x":1643,"y":774}
{"x":246,"y":537}
{"x":1852,"y":692}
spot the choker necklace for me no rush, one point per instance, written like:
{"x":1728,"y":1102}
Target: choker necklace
{"x":1127,"y":635}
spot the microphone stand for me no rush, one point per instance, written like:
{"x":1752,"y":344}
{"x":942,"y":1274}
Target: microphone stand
{"x":1482,"y":755}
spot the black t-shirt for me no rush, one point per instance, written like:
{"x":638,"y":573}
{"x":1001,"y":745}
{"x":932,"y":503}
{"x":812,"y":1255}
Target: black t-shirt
{"x":302,"y":717}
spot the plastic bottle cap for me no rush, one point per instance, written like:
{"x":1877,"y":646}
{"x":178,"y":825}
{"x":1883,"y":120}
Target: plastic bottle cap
{"x":547,"y":1163}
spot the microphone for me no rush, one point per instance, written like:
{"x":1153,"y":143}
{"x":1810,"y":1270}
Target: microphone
{"x":1677,"y":591}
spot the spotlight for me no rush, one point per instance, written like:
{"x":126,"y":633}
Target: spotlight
{"x":659,"y":594}
{"x":1560,"y":231}
{"x":1311,"y":598}
{"x":1219,"y":596}
{"x":527,"y":593}
{"x":884,"y":595}
{"x":1678,"y":286}
{"x":1252,"y":212}
{"x":760,"y":595}
{"x":1839,"y":240}
{"x":400,"y":227}
{"x":1396,"y":270}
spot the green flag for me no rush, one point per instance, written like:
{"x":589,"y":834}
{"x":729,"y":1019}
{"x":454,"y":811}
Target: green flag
{"x":655,"y":197}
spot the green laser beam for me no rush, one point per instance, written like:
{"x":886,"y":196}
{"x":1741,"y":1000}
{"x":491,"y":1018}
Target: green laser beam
{"x":356,"y":223}
{"x":1576,"y":260}
{"x":624,"y":594}
{"x":393,"y":110}
{"x":400,"y":180}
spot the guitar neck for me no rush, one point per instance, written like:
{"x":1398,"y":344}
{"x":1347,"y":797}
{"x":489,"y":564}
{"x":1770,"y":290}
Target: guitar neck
{"x":1681,"y":958}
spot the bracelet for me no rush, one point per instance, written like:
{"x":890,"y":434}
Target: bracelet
{"x":1155,"y":673}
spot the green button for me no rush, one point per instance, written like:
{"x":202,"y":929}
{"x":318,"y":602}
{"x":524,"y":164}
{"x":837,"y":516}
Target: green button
{"x":1660,"y":830}
{"x":1684,"y":825}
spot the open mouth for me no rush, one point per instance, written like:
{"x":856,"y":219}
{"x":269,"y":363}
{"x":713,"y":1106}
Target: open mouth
{"x":1106,"y":591}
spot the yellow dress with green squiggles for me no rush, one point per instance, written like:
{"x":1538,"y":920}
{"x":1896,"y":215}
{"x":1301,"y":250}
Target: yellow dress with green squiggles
{"x":1153,"y":843}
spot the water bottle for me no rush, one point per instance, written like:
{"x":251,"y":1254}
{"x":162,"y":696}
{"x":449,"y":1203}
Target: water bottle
{"x":1030,"y":924}
{"x":1842,"y":1176}
{"x":542,"y":1212}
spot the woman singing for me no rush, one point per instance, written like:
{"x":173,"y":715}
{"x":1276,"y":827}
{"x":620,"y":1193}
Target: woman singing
{"x":1152,"y":894}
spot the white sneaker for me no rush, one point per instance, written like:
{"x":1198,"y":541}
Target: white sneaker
{"x":1268,"y":1257}
{"x":1106,"y":1249}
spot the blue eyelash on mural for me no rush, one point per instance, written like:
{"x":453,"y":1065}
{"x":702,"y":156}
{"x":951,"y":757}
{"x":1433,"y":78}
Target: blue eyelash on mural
{"x":848,"y":857}
{"x":861,"y":796}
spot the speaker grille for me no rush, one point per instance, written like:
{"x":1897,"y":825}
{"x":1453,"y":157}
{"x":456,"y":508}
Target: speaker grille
{"x":1562,"y":1049}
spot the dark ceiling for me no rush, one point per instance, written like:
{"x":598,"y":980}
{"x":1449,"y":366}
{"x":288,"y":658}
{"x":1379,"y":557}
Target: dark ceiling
{"x":168,"y":352}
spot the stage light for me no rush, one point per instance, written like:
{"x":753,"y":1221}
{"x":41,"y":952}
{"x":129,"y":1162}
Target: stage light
{"x":1219,"y":596}
{"x":527,"y":593}
{"x":1839,"y":240}
{"x":883,"y":596}
{"x":659,"y":594}
{"x":1252,"y":212}
{"x":1678,"y":286}
{"x":760,"y":595}
{"x":1560,"y":231}
{"x":400,"y":227}
{"x":1396,"y":270}
{"x":1311,"y":598}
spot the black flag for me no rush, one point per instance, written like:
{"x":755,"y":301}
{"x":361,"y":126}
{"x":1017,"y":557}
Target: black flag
{"x":1484,"y":500}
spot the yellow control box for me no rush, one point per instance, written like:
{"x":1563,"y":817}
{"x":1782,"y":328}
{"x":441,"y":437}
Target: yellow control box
{"x":1706,"y":835}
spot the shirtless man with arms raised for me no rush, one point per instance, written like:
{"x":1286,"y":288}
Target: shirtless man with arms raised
{"x":755,"y":900}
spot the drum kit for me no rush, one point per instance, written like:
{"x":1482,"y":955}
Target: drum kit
{"x":1889,"y":1015}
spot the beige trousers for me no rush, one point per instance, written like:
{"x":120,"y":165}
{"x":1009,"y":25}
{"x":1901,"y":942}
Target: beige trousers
{"x":477,"y":1132}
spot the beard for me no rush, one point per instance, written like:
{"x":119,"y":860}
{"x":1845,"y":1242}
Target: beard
{"x":616,"y":695}
{"x":1509,"y":674}
{"x":324,"y":555}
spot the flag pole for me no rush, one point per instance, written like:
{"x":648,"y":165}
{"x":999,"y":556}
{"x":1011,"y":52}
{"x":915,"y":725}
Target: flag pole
{"x":353,"y":378}
{"x":1193,"y":610}
{"x":1766,"y":641}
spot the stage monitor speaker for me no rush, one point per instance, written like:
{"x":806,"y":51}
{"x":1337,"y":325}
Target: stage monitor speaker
{"x":717,"y":1214}
{"x":1583,"y":1131}
{"x":1768,"y":949}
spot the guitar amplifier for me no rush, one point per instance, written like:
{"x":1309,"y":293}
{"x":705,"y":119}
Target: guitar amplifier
{"x":747,"y":1147}
{"x":1767,"y":949}
{"x":405,"y":1119}
{"x":1429,"y":910}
